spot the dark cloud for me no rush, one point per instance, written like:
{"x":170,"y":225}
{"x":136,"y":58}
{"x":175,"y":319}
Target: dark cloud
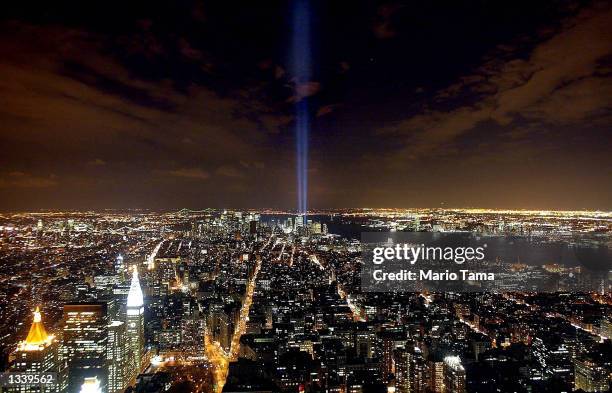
{"x":26,"y":180}
{"x":229,"y":171}
{"x":542,"y":88}
{"x":303,"y":90}
{"x":189,"y":173}
{"x":97,"y":162}
{"x":325,"y":110}
{"x":65,"y":103}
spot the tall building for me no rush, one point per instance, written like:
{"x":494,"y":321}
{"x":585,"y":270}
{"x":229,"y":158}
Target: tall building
{"x":436,"y":376}
{"x":410,"y":371}
{"x":221,"y":328}
{"x":391,"y":340}
{"x":454,"y":375}
{"x":117,"y":356}
{"x":192,"y":334}
{"x":253,"y":227}
{"x":590,"y":376}
{"x":135,"y":326}
{"x":84,"y":343}
{"x":553,"y":359}
{"x":38,"y":353}
{"x":119,"y":266}
{"x":401,"y":363}
{"x":606,"y":327}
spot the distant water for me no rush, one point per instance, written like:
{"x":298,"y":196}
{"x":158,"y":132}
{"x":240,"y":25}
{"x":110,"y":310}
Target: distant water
{"x":513,"y":249}
{"x":510,"y":249}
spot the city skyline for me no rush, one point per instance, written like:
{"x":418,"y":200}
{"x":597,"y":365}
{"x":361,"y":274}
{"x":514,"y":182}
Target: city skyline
{"x":306,"y":196}
{"x":503,"y":105}
{"x":220,"y":300}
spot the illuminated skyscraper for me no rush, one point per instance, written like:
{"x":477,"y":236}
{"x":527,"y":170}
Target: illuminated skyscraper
{"x":192,"y":334}
{"x":38,"y":353}
{"x":606,"y":328}
{"x":401,"y":363}
{"x":553,"y":359}
{"x":117,"y":355}
{"x":391,"y":340}
{"x":410,"y":370}
{"x":454,"y":375}
{"x":84,"y":343}
{"x":119,"y":266}
{"x":436,"y":376}
{"x":590,"y":376}
{"x":135,"y":326}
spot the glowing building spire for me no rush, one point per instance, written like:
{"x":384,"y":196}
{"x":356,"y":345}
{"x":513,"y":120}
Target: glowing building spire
{"x":37,"y":335}
{"x":37,"y":338}
{"x":135,"y":298}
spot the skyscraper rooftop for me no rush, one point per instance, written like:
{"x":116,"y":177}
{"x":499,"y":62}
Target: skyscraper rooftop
{"x":37,"y":336}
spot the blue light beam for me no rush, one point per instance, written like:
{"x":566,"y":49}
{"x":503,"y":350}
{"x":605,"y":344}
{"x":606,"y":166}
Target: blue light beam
{"x":302,"y":71}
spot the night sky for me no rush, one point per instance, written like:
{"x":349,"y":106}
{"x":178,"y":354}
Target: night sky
{"x":501,"y":104}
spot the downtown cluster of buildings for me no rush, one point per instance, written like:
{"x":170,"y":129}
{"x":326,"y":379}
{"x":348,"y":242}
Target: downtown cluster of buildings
{"x":99,"y":347}
{"x":231,"y":301}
